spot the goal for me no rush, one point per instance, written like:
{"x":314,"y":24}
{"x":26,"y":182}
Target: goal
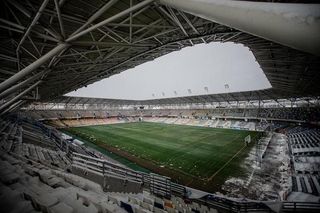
{"x":247,"y":139}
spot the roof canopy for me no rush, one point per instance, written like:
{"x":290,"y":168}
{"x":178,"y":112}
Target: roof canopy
{"x":54,"y":47}
{"x":268,"y":94}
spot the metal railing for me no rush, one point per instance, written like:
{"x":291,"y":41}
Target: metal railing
{"x":300,"y":207}
{"x":157,"y":184}
{"x":163,"y":186}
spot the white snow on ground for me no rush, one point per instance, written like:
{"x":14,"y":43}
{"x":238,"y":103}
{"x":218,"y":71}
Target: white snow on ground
{"x":195,"y":193}
{"x":265,"y":181}
{"x":302,"y":197}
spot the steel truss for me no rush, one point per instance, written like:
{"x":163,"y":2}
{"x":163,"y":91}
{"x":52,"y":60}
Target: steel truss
{"x":61,"y":46}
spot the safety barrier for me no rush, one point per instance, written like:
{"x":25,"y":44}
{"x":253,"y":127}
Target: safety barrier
{"x":300,"y":207}
{"x":157,"y":184}
{"x":163,"y":186}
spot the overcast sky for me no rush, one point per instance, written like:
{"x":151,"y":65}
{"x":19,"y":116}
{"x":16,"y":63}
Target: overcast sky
{"x":201,"y":69}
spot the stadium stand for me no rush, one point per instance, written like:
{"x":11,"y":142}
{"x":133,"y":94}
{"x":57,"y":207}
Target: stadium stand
{"x":303,"y":144}
{"x":50,"y":48}
{"x":304,"y":147}
{"x":237,"y":118}
{"x":279,"y":113}
{"x":34,"y":178}
{"x":35,"y":173}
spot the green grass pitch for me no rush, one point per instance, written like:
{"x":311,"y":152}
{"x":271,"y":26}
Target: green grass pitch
{"x":197,"y":151}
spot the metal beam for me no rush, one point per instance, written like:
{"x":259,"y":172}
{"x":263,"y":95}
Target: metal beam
{"x":60,"y":18}
{"x":34,"y":21}
{"x":10,"y":28}
{"x":83,"y":52}
{"x":13,"y":107}
{"x":12,"y":24}
{"x":96,"y":15}
{"x":20,"y":8}
{"x":140,"y":26}
{"x":110,"y":19}
{"x":27,"y":70}
{"x":7,"y":58}
{"x":46,"y":37}
{"x":111,"y":44}
{"x":16,"y":98}
{"x":7,"y":72}
{"x":150,"y":50}
{"x":20,"y":85}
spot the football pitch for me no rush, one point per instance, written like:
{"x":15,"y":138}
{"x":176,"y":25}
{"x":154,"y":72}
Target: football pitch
{"x":186,"y":153}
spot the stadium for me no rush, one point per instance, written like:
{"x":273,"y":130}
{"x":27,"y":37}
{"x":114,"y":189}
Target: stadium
{"x":231,"y":151}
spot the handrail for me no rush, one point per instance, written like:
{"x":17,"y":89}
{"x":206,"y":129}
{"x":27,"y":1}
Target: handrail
{"x":300,"y":207}
{"x":163,"y":186}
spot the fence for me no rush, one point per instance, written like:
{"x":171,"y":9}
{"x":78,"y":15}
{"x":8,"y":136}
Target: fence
{"x":300,"y":207}
{"x":157,"y":184}
{"x":163,"y":186}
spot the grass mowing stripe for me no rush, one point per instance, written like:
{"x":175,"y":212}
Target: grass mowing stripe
{"x":118,"y":158}
{"x":152,"y":145}
{"x":198,"y":151}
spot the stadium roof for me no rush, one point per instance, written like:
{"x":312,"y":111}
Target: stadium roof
{"x":267,"y":94}
{"x":51,"y":47}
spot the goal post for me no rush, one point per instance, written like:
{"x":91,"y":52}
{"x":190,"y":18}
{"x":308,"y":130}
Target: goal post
{"x":247,"y":139}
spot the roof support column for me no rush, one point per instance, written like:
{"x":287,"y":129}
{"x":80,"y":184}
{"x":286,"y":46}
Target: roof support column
{"x":27,"y":70}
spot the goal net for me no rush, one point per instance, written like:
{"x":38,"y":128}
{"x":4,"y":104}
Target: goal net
{"x":247,"y":139}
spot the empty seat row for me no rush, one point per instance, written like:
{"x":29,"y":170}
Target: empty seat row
{"x":306,"y":183}
{"x":31,"y":187}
